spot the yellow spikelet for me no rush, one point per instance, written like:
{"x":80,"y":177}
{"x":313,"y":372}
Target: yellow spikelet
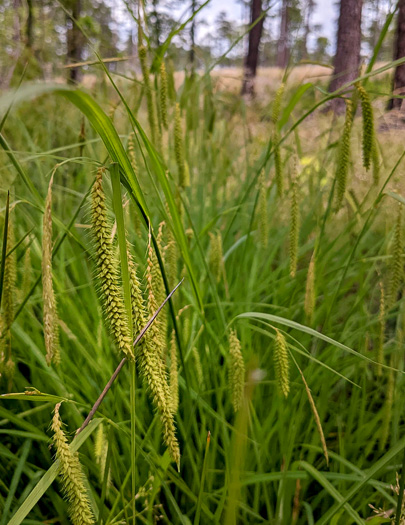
{"x":236,"y":373}
{"x":388,"y":404}
{"x":174,"y":374}
{"x":131,"y":152}
{"x":294,"y":228}
{"x":152,"y":368}
{"x":179,"y":147}
{"x":142,"y":54}
{"x":163,"y":95}
{"x":72,"y":475}
{"x":368,"y":125}
{"x":396,"y":267}
{"x":9,"y":279}
{"x":381,"y":331}
{"x":282,"y":364}
{"x":51,"y":327}
{"x":343,"y":160}
{"x":114,"y":308}
{"x":262,"y":214}
{"x":310,"y":296}
{"x":216,"y":256}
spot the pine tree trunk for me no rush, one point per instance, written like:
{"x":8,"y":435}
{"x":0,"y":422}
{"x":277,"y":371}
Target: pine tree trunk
{"x":252,"y":57}
{"x":74,"y":42}
{"x":398,"y":85}
{"x":29,"y":37}
{"x":347,"y":58}
{"x":282,"y":48}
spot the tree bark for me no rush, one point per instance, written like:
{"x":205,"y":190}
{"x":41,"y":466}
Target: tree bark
{"x":74,"y":41}
{"x":29,"y":35}
{"x":347,"y":58}
{"x":398,"y":85}
{"x":283,"y":52}
{"x":252,"y":57}
{"x":192,"y":37}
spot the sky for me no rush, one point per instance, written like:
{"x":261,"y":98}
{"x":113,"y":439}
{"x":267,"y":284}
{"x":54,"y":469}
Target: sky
{"x":325,"y":14}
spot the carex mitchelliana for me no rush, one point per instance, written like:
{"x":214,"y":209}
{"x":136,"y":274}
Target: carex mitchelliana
{"x":343,"y":160}
{"x":72,"y":475}
{"x":51,"y":327}
{"x":107,"y":274}
{"x":150,"y":359}
{"x":281,"y":363}
{"x":368,"y":125}
{"x":236,"y":371}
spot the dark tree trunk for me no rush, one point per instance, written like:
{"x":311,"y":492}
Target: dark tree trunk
{"x":29,"y":35}
{"x":398,"y":85}
{"x":74,"y":41}
{"x":283,"y":51}
{"x":347,"y":58}
{"x":252,"y":57}
{"x":192,"y":37}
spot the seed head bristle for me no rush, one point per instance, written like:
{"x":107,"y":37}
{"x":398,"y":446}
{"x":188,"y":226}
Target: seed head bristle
{"x":50,"y":314}
{"x":106,"y":263}
{"x":236,"y":371}
{"x":72,"y":476}
{"x":282,"y":364}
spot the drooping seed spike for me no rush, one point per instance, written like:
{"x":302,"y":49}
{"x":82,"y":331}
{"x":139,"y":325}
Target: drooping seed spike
{"x":282,"y":364}
{"x":368,"y":125}
{"x":310,"y":295}
{"x":72,"y":477}
{"x":106,"y":263}
{"x":50,"y":314}
{"x":343,"y":160}
{"x":236,"y":371}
